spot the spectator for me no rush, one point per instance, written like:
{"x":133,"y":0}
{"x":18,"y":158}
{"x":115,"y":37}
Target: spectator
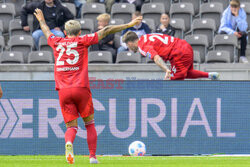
{"x":78,"y":4}
{"x":138,"y":3}
{"x":165,"y":27}
{"x":55,"y":15}
{"x":107,"y":43}
{"x":140,"y":29}
{"x":234,"y":22}
{"x":108,"y":3}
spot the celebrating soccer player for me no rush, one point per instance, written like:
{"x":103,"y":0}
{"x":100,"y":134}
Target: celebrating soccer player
{"x":71,"y":77}
{"x":162,"y":48}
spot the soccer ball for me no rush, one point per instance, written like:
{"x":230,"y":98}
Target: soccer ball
{"x":137,"y":148}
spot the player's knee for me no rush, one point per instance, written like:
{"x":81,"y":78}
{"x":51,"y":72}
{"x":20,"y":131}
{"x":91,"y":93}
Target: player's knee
{"x":88,"y":119}
{"x":72,"y":124}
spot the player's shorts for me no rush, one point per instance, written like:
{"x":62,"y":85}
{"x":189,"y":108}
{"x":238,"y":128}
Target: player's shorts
{"x":75,"y":102}
{"x":182,"y":60}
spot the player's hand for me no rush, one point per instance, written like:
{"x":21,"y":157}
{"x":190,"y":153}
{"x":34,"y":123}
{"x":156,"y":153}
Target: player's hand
{"x":39,"y":15}
{"x":168,"y":75}
{"x":26,"y":28}
{"x":237,"y":34}
{"x":137,"y":20}
{"x":57,"y":28}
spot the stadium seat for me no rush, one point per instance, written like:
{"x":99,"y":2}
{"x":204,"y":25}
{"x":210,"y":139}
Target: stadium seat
{"x":15,"y":28}
{"x":43,"y":45}
{"x":71,"y":7}
{"x":246,"y":7}
{"x":117,"y":40}
{"x":206,"y":27}
{"x":21,"y":43}
{"x":218,"y":57}
{"x":179,"y":25}
{"x":11,"y":57}
{"x":92,"y":10}
{"x":212,"y":11}
{"x":184,"y":11}
{"x":196,"y":5}
{"x":150,"y":23}
{"x":224,"y":3}
{"x":223,"y":42}
{"x":18,"y":5}
{"x":153,"y":11}
{"x":87,"y":26}
{"x":167,"y":4}
{"x":116,"y":22}
{"x":122,"y":11}
{"x":7,"y":13}
{"x":100,"y":57}
{"x":40,"y":57}
{"x":30,"y":22}
{"x":197,"y":57}
{"x":199,"y":43}
{"x":2,"y":43}
{"x":1,"y":27}
{"x":128,"y":57}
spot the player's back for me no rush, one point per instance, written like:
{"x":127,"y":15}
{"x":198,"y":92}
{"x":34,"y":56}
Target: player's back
{"x":159,"y":43}
{"x":71,"y":60}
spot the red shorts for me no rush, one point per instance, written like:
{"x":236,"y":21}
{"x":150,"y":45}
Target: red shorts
{"x":75,"y":102}
{"x":182,"y":60}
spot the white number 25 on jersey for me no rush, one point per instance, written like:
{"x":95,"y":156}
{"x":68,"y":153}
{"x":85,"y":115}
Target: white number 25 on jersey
{"x":69,"y":51}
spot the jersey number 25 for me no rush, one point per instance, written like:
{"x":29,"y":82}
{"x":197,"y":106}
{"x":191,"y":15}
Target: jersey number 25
{"x":69,"y":51}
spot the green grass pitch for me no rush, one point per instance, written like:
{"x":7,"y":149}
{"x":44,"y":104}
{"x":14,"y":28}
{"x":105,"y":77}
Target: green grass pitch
{"x":123,"y":161}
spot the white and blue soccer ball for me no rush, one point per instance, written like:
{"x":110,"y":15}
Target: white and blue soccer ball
{"x":137,"y":148}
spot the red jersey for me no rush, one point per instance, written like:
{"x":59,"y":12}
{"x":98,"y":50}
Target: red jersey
{"x":150,"y":45}
{"x":71,"y":60}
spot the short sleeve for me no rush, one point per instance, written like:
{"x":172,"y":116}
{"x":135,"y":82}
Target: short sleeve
{"x":89,"y":39}
{"x":53,"y":39}
{"x":148,"y":51}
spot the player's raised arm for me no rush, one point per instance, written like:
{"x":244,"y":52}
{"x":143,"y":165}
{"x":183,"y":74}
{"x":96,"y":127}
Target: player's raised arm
{"x":160,"y":62}
{"x":117,"y":28}
{"x":39,"y":15}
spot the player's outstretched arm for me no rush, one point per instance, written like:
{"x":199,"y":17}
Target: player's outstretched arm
{"x":117,"y":28}
{"x":160,"y":62}
{"x":39,"y":15}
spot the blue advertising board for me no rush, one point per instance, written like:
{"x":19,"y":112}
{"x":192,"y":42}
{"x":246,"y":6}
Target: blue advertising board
{"x":170,"y":117}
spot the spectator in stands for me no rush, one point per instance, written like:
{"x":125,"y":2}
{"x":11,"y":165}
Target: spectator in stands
{"x":78,"y":4}
{"x":107,"y":43}
{"x":234,"y":22}
{"x":108,"y":3}
{"x":165,"y":27}
{"x":55,"y":15}
{"x":140,"y":29}
{"x":138,"y":3}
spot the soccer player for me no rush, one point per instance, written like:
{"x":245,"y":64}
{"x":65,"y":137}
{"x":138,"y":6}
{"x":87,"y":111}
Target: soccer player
{"x":71,"y":77}
{"x":162,"y":48}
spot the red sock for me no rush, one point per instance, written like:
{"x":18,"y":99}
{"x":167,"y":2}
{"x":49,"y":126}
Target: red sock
{"x":196,"y":74}
{"x":91,"y":138}
{"x":70,"y":134}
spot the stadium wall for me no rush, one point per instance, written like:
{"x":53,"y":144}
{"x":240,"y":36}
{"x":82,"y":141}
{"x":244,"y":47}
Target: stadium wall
{"x":185,"y":117}
{"x":35,"y":72}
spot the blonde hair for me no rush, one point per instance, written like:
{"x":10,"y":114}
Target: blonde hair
{"x":104,"y":16}
{"x":72,"y":27}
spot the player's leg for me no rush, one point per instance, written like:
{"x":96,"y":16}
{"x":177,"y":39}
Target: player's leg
{"x":86,"y":110}
{"x":91,"y":137}
{"x":70,"y":115}
{"x":36,"y":36}
{"x":70,"y":136}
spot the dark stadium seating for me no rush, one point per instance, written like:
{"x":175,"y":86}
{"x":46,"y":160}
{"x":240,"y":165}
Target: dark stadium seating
{"x":128,"y":57}
{"x":11,"y":57}
{"x":40,"y":57}
{"x":100,"y":57}
{"x":194,"y":18}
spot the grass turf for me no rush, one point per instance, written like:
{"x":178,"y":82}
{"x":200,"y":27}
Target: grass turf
{"x":110,"y":161}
